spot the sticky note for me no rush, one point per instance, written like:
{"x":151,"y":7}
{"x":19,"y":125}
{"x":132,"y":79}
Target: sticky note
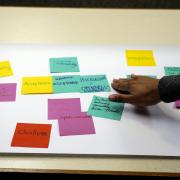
{"x":5,"y":69}
{"x":171,"y":71}
{"x":177,"y":104}
{"x":37,"y":85}
{"x":76,"y":124}
{"x":65,"y":64}
{"x":102,"y":107}
{"x":152,"y":76}
{"x":94,"y":83}
{"x":65,"y":84}
{"x":7,"y":92}
{"x":58,"y":106}
{"x":140,"y":58}
{"x":31,"y":135}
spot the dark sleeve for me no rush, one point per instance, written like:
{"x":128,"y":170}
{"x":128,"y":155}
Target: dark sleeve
{"x":169,"y":88}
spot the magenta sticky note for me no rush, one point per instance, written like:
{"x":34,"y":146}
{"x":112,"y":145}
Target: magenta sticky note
{"x":177,"y":104}
{"x":7,"y":92}
{"x":58,"y":106}
{"x":76,"y":124}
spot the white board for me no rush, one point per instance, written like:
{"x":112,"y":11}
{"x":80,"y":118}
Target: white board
{"x":153,"y":130}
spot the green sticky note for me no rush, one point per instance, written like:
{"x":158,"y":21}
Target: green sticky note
{"x":172,"y":71}
{"x":65,"y":64}
{"x":152,"y":76}
{"x":65,"y":84}
{"x":94,"y":83}
{"x":102,"y":107}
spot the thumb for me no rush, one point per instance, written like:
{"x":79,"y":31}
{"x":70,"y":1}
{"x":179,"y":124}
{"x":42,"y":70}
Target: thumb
{"x":133,"y":76}
{"x":121,"y":98}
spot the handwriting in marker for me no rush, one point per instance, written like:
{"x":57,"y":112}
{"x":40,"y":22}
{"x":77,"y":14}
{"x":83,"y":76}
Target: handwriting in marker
{"x":65,"y":84}
{"x":77,"y":123}
{"x":94,"y":83}
{"x":31,"y":135}
{"x":169,"y":71}
{"x":65,"y":64}
{"x":37,"y":85}
{"x":5,"y":69}
{"x":140,"y":58}
{"x":102,"y":107}
{"x":8,"y":92}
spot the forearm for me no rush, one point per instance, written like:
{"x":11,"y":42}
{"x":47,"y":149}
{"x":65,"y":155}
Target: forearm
{"x":169,"y":88}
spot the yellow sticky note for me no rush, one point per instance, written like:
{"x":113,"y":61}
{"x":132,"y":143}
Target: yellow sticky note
{"x":140,"y":58}
{"x":5,"y":69}
{"x":37,"y":85}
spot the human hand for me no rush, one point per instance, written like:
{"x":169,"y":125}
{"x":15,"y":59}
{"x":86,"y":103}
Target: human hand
{"x":142,"y":90}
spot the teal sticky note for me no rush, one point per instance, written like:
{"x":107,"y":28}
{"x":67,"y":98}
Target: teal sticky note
{"x":172,"y":71}
{"x":94,"y":83}
{"x":65,"y":64}
{"x":128,"y":76}
{"x":152,"y":76}
{"x":102,"y":107}
{"x":65,"y":84}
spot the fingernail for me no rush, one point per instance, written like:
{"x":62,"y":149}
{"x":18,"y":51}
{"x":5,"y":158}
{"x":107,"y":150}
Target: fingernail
{"x":111,"y":97}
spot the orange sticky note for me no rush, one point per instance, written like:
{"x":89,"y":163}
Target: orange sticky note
{"x":31,"y":135}
{"x":140,"y":58}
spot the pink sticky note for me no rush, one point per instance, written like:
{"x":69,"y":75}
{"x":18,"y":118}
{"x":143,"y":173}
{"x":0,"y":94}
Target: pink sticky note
{"x":58,"y":106}
{"x":178,"y":104}
{"x":8,"y":92}
{"x":76,"y":124}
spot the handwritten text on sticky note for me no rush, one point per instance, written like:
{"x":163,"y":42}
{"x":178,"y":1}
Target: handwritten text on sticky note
{"x":37,"y":85}
{"x":65,"y":64}
{"x":31,"y":135}
{"x":172,"y":71}
{"x":102,"y":107}
{"x":5,"y":69}
{"x":140,"y":58}
{"x":8,"y":92}
{"x":94,"y":83}
{"x":65,"y":84}
{"x":78,"y":123}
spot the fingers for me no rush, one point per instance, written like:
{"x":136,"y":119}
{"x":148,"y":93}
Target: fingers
{"x":121,"y":98}
{"x":133,"y":76}
{"x":120,"y":84}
